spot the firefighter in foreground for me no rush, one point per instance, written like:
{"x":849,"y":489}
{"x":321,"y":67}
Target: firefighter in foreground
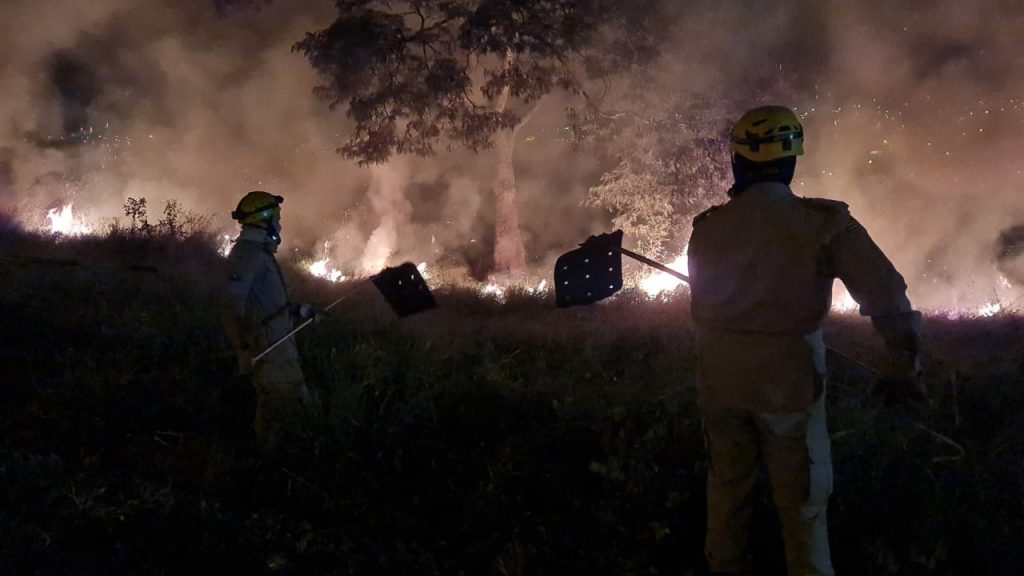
{"x":762,"y":267}
{"x":256,"y":313}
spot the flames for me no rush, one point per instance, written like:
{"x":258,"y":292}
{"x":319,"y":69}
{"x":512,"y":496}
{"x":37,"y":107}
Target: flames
{"x":225,"y":245}
{"x":660,"y":283}
{"x":500,"y":292}
{"x":63,"y":222}
{"x":323,"y":269}
{"x":842,"y":302}
{"x":990,"y":309}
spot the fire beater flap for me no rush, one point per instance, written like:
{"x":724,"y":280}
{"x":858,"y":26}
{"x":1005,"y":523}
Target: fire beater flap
{"x":404,"y":289}
{"x":591,"y":272}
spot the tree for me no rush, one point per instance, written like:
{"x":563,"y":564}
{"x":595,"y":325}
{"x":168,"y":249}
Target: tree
{"x":670,"y":147}
{"x":416,"y":74}
{"x":672,"y":162}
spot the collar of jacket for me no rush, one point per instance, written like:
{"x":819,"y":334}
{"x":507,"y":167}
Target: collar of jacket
{"x":765,"y":190}
{"x":256,"y":234}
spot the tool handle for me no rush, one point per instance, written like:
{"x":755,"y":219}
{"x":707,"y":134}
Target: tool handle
{"x":278,"y":343}
{"x":654,"y":264}
{"x":297,"y":328}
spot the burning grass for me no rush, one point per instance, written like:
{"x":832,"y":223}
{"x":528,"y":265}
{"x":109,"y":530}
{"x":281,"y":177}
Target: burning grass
{"x":489,"y":436}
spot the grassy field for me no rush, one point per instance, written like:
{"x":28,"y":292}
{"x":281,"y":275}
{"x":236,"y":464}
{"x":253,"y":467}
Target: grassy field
{"x":479,"y":438}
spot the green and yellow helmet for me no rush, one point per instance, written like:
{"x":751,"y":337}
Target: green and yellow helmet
{"x":257,"y":206}
{"x":768,"y":133}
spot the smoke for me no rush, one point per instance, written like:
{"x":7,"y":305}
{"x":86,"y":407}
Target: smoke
{"x":165,"y":100}
{"x":388,"y":201}
{"x":920,"y":131}
{"x":1010,"y":253}
{"x":108,"y":100}
{"x":913,"y":113}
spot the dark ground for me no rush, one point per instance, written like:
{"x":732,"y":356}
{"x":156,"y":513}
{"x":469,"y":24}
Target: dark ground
{"x":474,"y":439}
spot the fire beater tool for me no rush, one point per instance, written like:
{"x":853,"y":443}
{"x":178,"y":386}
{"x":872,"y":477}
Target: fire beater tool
{"x":403,"y":288}
{"x":593,"y":272}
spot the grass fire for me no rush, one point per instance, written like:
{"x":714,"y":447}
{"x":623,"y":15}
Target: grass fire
{"x":511,"y":288}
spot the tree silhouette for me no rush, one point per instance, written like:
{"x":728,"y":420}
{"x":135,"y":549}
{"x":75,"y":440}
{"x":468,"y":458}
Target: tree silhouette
{"x":416,"y":74}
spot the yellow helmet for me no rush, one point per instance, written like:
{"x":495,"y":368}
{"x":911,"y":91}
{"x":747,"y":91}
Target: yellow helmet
{"x":768,"y":133}
{"x":257,"y":206}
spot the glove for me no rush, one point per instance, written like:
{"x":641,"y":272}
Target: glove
{"x":902,"y":383}
{"x":307,"y":312}
{"x":906,"y":392}
{"x":245,"y":363}
{"x":903,"y":364}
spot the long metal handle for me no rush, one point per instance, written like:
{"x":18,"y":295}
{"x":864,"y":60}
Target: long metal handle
{"x":654,"y":264}
{"x":296,"y":329}
{"x":686,"y":279}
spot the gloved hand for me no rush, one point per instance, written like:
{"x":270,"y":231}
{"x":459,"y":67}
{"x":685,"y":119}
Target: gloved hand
{"x":904,"y":392}
{"x":245,"y":363}
{"x":307,"y":312}
{"x":901,"y":383}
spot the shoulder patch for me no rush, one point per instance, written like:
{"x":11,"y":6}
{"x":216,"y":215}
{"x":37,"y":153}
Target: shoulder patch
{"x":700,"y":217}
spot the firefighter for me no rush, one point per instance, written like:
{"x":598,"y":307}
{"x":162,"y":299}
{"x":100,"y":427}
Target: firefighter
{"x":256,"y":313}
{"x":762,"y":267}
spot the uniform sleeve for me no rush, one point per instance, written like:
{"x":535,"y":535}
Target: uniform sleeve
{"x":876,"y":285}
{"x":242,"y":330}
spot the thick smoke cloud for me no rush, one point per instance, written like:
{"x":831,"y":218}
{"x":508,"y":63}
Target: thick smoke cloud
{"x":920,"y":127}
{"x":108,"y":100}
{"x":162,"y":100}
{"x":914,"y":114}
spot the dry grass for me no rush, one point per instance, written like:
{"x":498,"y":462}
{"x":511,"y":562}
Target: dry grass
{"x":478,"y":438}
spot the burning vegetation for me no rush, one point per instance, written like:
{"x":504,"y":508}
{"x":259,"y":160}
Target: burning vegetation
{"x":63,"y":222}
{"x":481,"y":140}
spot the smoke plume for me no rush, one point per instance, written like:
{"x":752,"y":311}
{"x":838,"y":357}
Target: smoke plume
{"x":913,"y":113}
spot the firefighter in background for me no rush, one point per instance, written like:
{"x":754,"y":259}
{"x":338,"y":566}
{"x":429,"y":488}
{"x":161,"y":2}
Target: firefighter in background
{"x":762,"y":267}
{"x":256,"y":313}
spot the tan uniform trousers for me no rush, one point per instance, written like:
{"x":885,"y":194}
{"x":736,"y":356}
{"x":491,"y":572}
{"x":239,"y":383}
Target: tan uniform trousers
{"x":284,"y":407}
{"x":795,"y":449}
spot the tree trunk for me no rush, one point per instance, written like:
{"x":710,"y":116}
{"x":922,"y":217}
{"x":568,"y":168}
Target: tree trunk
{"x":509,"y":253}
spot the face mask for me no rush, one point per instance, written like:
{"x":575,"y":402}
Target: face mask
{"x":274,"y":231}
{"x":746,"y":172}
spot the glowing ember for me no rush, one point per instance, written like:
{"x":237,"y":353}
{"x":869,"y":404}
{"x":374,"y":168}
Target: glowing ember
{"x":660,"y":282}
{"x":323,"y":269}
{"x":64,"y":222}
{"x":990,"y":309}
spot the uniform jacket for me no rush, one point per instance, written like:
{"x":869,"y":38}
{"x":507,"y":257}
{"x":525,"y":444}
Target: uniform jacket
{"x":255,"y":310}
{"x":762,"y":268}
